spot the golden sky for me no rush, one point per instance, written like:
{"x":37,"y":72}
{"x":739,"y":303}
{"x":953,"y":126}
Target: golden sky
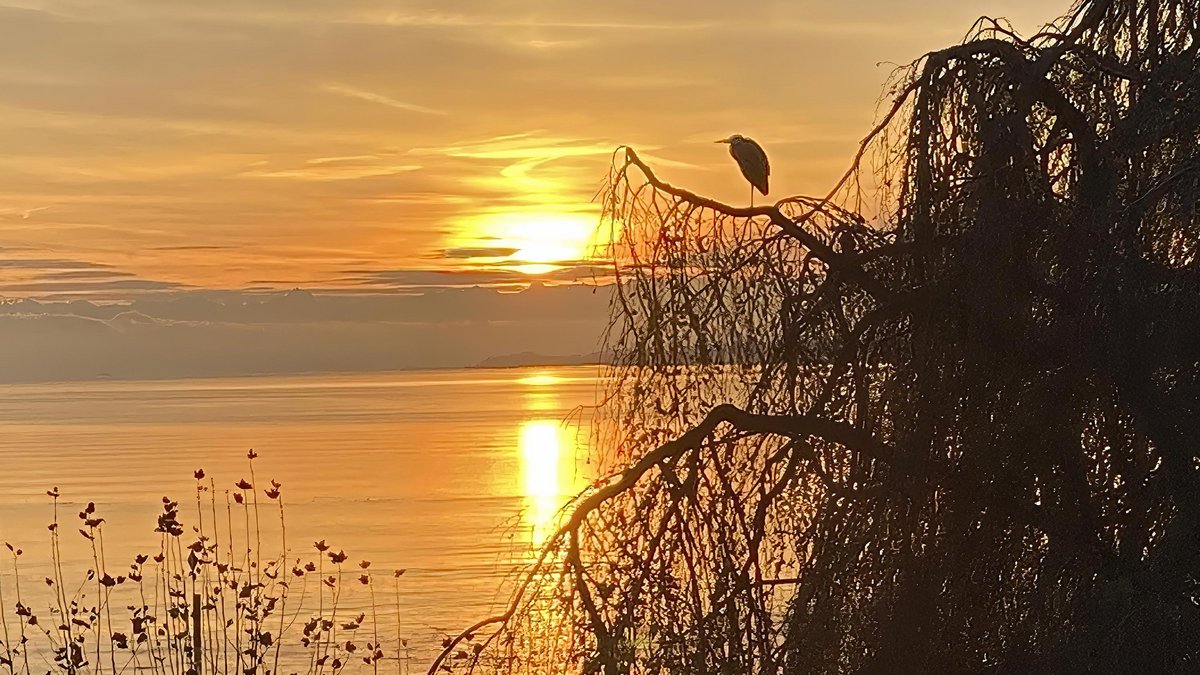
{"x":375,"y":144}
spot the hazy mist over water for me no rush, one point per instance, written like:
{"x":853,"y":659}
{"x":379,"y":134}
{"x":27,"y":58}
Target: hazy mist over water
{"x":207,"y":334}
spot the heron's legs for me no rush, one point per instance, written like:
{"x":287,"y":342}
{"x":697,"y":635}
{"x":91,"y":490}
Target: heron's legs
{"x":751,"y":196}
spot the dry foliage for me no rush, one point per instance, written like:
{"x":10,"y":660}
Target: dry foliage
{"x":214,"y":598}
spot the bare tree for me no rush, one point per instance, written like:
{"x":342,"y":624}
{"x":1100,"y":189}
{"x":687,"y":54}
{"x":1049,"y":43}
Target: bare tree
{"x":942,"y":419}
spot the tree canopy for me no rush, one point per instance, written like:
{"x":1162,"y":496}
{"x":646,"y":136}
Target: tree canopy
{"x":942,"y":419}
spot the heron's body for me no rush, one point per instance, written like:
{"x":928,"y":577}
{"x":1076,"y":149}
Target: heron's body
{"x":752,"y":160}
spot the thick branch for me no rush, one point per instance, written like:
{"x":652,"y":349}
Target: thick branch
{"x":794,"y":426}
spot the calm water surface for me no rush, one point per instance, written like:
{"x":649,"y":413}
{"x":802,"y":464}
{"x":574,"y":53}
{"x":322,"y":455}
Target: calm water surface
{"x":452,"y":475}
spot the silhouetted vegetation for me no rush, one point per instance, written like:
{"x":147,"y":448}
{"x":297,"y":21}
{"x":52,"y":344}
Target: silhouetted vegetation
{"x":941,"y":420}
{"x":223,"y":593}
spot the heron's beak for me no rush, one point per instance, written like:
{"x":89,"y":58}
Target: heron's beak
{"x":722,"y":140}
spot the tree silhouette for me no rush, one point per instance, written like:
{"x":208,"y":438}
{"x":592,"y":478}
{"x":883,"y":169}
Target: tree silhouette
{"x":941,"y":420}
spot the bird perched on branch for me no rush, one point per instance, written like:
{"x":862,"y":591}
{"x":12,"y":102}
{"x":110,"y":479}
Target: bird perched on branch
{"x":752,"y":160}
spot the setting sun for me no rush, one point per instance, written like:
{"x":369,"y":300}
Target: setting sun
{"x":537,"y":239}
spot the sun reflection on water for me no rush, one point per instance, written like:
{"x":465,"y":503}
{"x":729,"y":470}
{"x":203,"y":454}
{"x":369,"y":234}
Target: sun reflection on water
{"x":551,"y":450}
{"x":542,"y":450}
{"x":540,"y":380}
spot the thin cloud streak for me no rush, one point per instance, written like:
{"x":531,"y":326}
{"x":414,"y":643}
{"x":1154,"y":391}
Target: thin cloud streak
{"x":83,"y":275}
{"x":24,"y":214}
{"x":532,"y":145}
{"x":469,"y":252}
{"x":487,"y":21}
{"x":324,"y":172}
{"x":372,"y":97}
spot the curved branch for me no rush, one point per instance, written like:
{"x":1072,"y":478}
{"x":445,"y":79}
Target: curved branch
{"x":795,"y":426}
{"x":821,"y":250}
{"x":799,"y":425}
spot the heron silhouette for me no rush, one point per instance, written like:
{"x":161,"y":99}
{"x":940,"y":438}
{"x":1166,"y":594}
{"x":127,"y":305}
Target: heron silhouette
{"x":752,"y":160}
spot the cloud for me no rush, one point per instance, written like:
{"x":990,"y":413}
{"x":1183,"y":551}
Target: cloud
{"x":650,"y":81}
{"x":381,"y":99}
{"x":49,"y":263}
{"x":192,"y":247}
{"x":467,"y":252}
{"x":65,"y":277}
{"x":480,"y":275}
{"x":51,"y":287}
{"x":339,"y":168}
{"x":416,"y":278}
{"x":82,"y":274}
{"x":556,"y":44}
{"x":528,"y":168}
{"x":24,"y":214}
{"x":531,"y":145}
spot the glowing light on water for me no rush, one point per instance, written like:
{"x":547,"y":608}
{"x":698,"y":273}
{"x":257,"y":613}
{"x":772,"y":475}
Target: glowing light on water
{"x":540,"y":380}
{"x":542,"y":450}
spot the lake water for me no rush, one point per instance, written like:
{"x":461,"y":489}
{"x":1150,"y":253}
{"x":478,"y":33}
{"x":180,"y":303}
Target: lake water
{"x":451,"y":475}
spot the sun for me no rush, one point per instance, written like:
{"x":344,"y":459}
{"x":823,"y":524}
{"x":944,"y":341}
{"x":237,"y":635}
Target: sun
{"x":539,"y":239}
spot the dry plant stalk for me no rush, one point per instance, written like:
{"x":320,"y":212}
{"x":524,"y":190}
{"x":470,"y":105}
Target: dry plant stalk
{"x":214,"y":599}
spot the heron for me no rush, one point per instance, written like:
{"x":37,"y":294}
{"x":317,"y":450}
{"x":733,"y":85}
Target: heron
{"x":752,"y":160}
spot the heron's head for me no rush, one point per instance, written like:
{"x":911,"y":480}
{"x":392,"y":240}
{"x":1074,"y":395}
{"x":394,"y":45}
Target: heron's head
{"x":731,"y":140}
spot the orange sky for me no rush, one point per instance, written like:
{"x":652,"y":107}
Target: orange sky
{"x":362,"y":144}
